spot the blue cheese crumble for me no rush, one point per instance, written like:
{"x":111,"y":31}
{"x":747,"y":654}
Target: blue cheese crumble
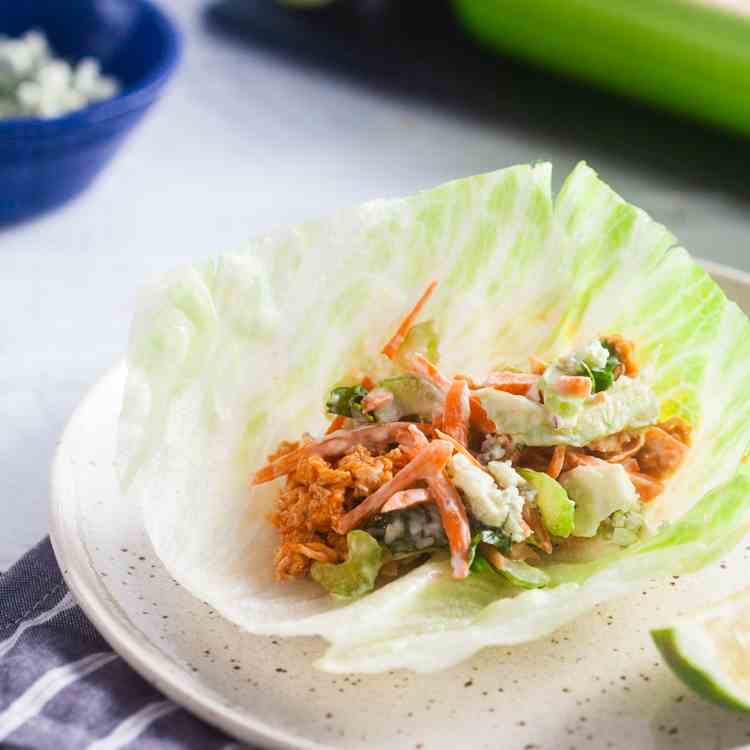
{"x":495,"y":499}
{"x":35,"y":83}
{"x":594,"y":354}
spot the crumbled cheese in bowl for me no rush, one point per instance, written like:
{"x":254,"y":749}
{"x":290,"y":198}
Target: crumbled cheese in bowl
{"x":35,"y":83}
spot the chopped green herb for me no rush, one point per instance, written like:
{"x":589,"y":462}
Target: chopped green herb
{"x":490,"y":536}
{"x":346,"y":401}
{"x":602,"y":378}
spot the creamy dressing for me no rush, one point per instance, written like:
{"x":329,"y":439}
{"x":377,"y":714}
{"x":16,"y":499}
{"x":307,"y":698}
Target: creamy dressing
{"x":629,"y":404}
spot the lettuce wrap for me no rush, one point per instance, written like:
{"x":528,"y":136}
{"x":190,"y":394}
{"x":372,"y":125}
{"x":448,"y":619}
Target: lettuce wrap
{"x":229,"y":357}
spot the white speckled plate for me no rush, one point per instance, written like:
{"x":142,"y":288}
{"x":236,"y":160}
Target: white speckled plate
{"x":598,"y":683}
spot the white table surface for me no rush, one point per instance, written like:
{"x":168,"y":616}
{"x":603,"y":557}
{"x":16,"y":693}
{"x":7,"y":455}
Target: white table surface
{"x":244,"y":140}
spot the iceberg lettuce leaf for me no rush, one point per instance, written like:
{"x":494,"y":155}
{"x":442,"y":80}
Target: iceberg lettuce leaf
{"x":230,"y":357}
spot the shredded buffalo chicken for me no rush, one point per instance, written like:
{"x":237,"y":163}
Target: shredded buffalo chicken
{"x":317,"y":493}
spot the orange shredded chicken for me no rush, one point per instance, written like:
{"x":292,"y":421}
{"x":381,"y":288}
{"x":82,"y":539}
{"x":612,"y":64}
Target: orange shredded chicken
{"x":316,"y":495}
{"x":647,"y":487}
{"x":678,"y":428}
{"x":618,"y":447}
{"x":661,"y":454}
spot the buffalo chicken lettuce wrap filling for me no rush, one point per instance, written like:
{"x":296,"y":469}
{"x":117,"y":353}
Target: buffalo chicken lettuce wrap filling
{"x":501,"y":471}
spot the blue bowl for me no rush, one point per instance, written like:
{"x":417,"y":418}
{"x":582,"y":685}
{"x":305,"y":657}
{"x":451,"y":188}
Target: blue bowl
{"x":44,"y":163}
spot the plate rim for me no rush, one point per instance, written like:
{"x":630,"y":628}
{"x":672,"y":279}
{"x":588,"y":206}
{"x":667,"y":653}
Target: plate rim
{"x":155,"y":668}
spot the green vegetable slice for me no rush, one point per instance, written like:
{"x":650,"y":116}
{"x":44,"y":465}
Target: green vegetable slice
{"x":494,"y":537}
{"x":356,"y":575}
{"x":710,"y":651}
{"x":516,"y":572}
{"x":412,"y":397}
{"x":557,"y":509}
{"x":598,"y":492}
{"x":630,"y":403}
{"x":423,"y":339}
{"x":346,"y":401}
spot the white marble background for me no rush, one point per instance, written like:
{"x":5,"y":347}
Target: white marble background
{"x":244,"y":140}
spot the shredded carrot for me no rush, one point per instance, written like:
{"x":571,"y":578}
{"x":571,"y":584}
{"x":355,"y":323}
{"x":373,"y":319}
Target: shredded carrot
{"x":280,"y":467}
{"x":573,"y":385}
{"x":368,"y":382}
{"x":412,"y":441}
{"x":459,"y":448}
{"x":574,"y":458}
{"x":557,"y":461}
{"x":628,"y":450}
{"x":392,"y":347}
{"x":426,"y":428}
{"x":533,"y":519}
{"x":375,"y":399}
{"x":336,"y":424}
{"x":518,"y":383}
{"x":376,"y":436}
{"x":479,"y":417}
{"x":493,"y":555}
{"x":414,"y":433}
{"x":422,"y":366}
{"x":456,"y":412}
{"x":316,"y":551}
{"x":538,"y":366}
{"x":455,"y":521}
{"x":469,"y":380}
{"x":428,"y":463}
{"x":407,"y":499}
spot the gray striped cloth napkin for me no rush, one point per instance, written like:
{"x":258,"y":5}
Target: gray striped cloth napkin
{"x":62,"y":686}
